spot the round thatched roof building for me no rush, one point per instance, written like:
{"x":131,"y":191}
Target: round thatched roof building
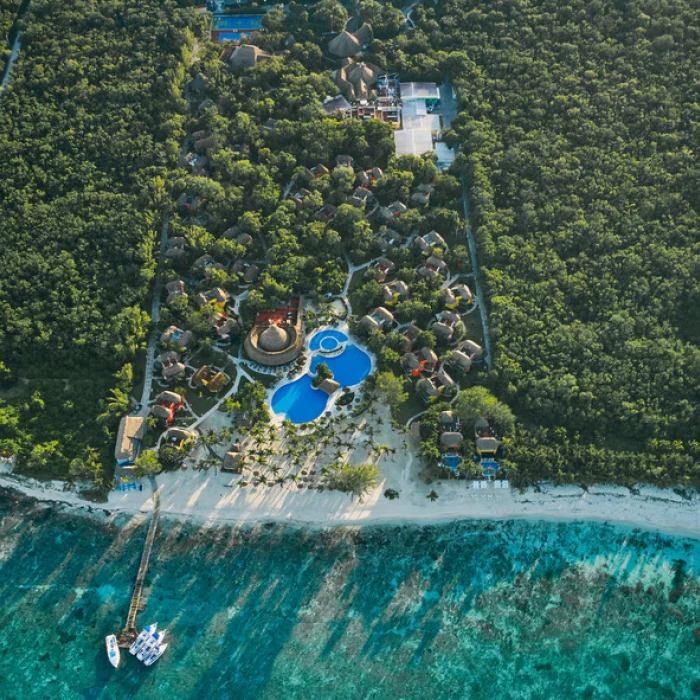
{"x":273,"y":339}
{"x":277,"y":342}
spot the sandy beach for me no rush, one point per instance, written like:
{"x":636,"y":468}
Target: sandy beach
{"x":207,"y":497}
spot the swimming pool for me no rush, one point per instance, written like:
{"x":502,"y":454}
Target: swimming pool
{"x":452,"y":461}
{"x":349,"y":368}
{"x":327,"y":341}
{"x":230,"y":36}
{"x":299,"y":401}
{"x":223,"y":22}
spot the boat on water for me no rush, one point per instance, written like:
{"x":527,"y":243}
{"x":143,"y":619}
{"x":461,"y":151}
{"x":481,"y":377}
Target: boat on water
{"x":155,"y":640}
{"x":145,"y":635}
{"x":113,"y":653}
{"x":155,"y":654}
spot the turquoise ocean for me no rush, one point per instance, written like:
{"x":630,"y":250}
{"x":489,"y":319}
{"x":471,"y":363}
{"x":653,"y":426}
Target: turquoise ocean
{"x":471,"y":610}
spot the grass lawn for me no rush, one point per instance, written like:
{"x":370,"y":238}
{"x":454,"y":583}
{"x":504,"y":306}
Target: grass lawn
{"x":414,"y":404}
{"x":472,"y":324}
{"x":357,"y":281}
{"x":139,"y":365}
{"x":267,"y":380}
{"x":201,"y":401}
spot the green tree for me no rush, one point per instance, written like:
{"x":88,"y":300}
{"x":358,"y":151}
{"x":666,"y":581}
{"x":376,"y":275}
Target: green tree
{"x":147,"y":464}
{"x":331,"y":15}
{"x":323,"y":372}
{"x":477,"y":402}
{"x":88,"y":467}
{"x":357,"y":479}
{"x":392,"y":390}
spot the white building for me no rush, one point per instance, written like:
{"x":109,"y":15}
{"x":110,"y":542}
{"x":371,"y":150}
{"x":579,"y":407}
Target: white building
{"x":413,"y":141}
{"x":421,"y":123}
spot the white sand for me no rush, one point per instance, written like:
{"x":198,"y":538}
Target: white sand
{"x":206,"y":497}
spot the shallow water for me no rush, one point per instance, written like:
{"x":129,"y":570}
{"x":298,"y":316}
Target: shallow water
{"x":470,"y":610}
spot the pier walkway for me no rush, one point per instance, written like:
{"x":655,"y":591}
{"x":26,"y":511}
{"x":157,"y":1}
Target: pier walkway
{"x":129,"y":633}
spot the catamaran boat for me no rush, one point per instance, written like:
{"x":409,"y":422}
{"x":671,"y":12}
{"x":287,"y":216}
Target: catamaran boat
{"x":155,"y":654}
{"x":113,"y":653}
{"x":155,"y":640}
{"x":145,"y":635}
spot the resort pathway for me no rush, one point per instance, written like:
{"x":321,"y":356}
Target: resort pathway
{"x":11,"y":62}
{"x":448,"y":104}
{"x":158,"y":287}
{"x":477,"y":281}
{"x":240,"y":373}
{"x":352,"y":269}
{"x":16,"y":46}
{"x":155,"y":317}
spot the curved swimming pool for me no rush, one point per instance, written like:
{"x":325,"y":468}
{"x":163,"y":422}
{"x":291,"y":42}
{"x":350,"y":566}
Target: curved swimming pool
{"x":299,"y":401}
{"x":327,"y":341}
{"x":349,"y":368}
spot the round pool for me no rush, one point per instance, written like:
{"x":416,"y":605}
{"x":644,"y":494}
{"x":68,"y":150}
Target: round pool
{"x":327,"y":341}
{"x":329,"y":344}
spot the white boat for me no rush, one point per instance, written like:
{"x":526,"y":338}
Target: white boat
{"x":113,"y":653}
{"x":145,"y":635}
{"x":155,"y":655}
{"x":155,"y":640}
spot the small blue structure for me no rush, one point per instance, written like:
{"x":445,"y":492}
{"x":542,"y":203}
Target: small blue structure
{"x":489,"y":467}
{"x":452,"y":461}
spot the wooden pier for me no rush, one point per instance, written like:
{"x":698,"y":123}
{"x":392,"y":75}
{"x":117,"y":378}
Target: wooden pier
{"x":127,"y":636}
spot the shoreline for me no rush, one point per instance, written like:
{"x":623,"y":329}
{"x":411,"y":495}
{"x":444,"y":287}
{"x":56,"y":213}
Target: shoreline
{"x":652,"y":510}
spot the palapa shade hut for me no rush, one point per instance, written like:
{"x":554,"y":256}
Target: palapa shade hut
{"x":273,"y":339}
{"x":345,"y":45}
{"x":162,"y":412}
{"x":329,"y":386}
{"x":451,"y":440}
{"x":364,"y":35}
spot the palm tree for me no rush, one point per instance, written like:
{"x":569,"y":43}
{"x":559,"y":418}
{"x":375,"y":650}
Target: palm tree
{"x":280,"y":480}
{"x":151,"y":422}
{"x":118,"y":401}
{"x":433,"y":496}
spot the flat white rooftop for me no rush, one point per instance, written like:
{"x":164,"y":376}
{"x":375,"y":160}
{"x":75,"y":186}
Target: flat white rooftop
{"x":419,"y":91}
{"x":416,"y":116}
{"x":414,"y":142}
